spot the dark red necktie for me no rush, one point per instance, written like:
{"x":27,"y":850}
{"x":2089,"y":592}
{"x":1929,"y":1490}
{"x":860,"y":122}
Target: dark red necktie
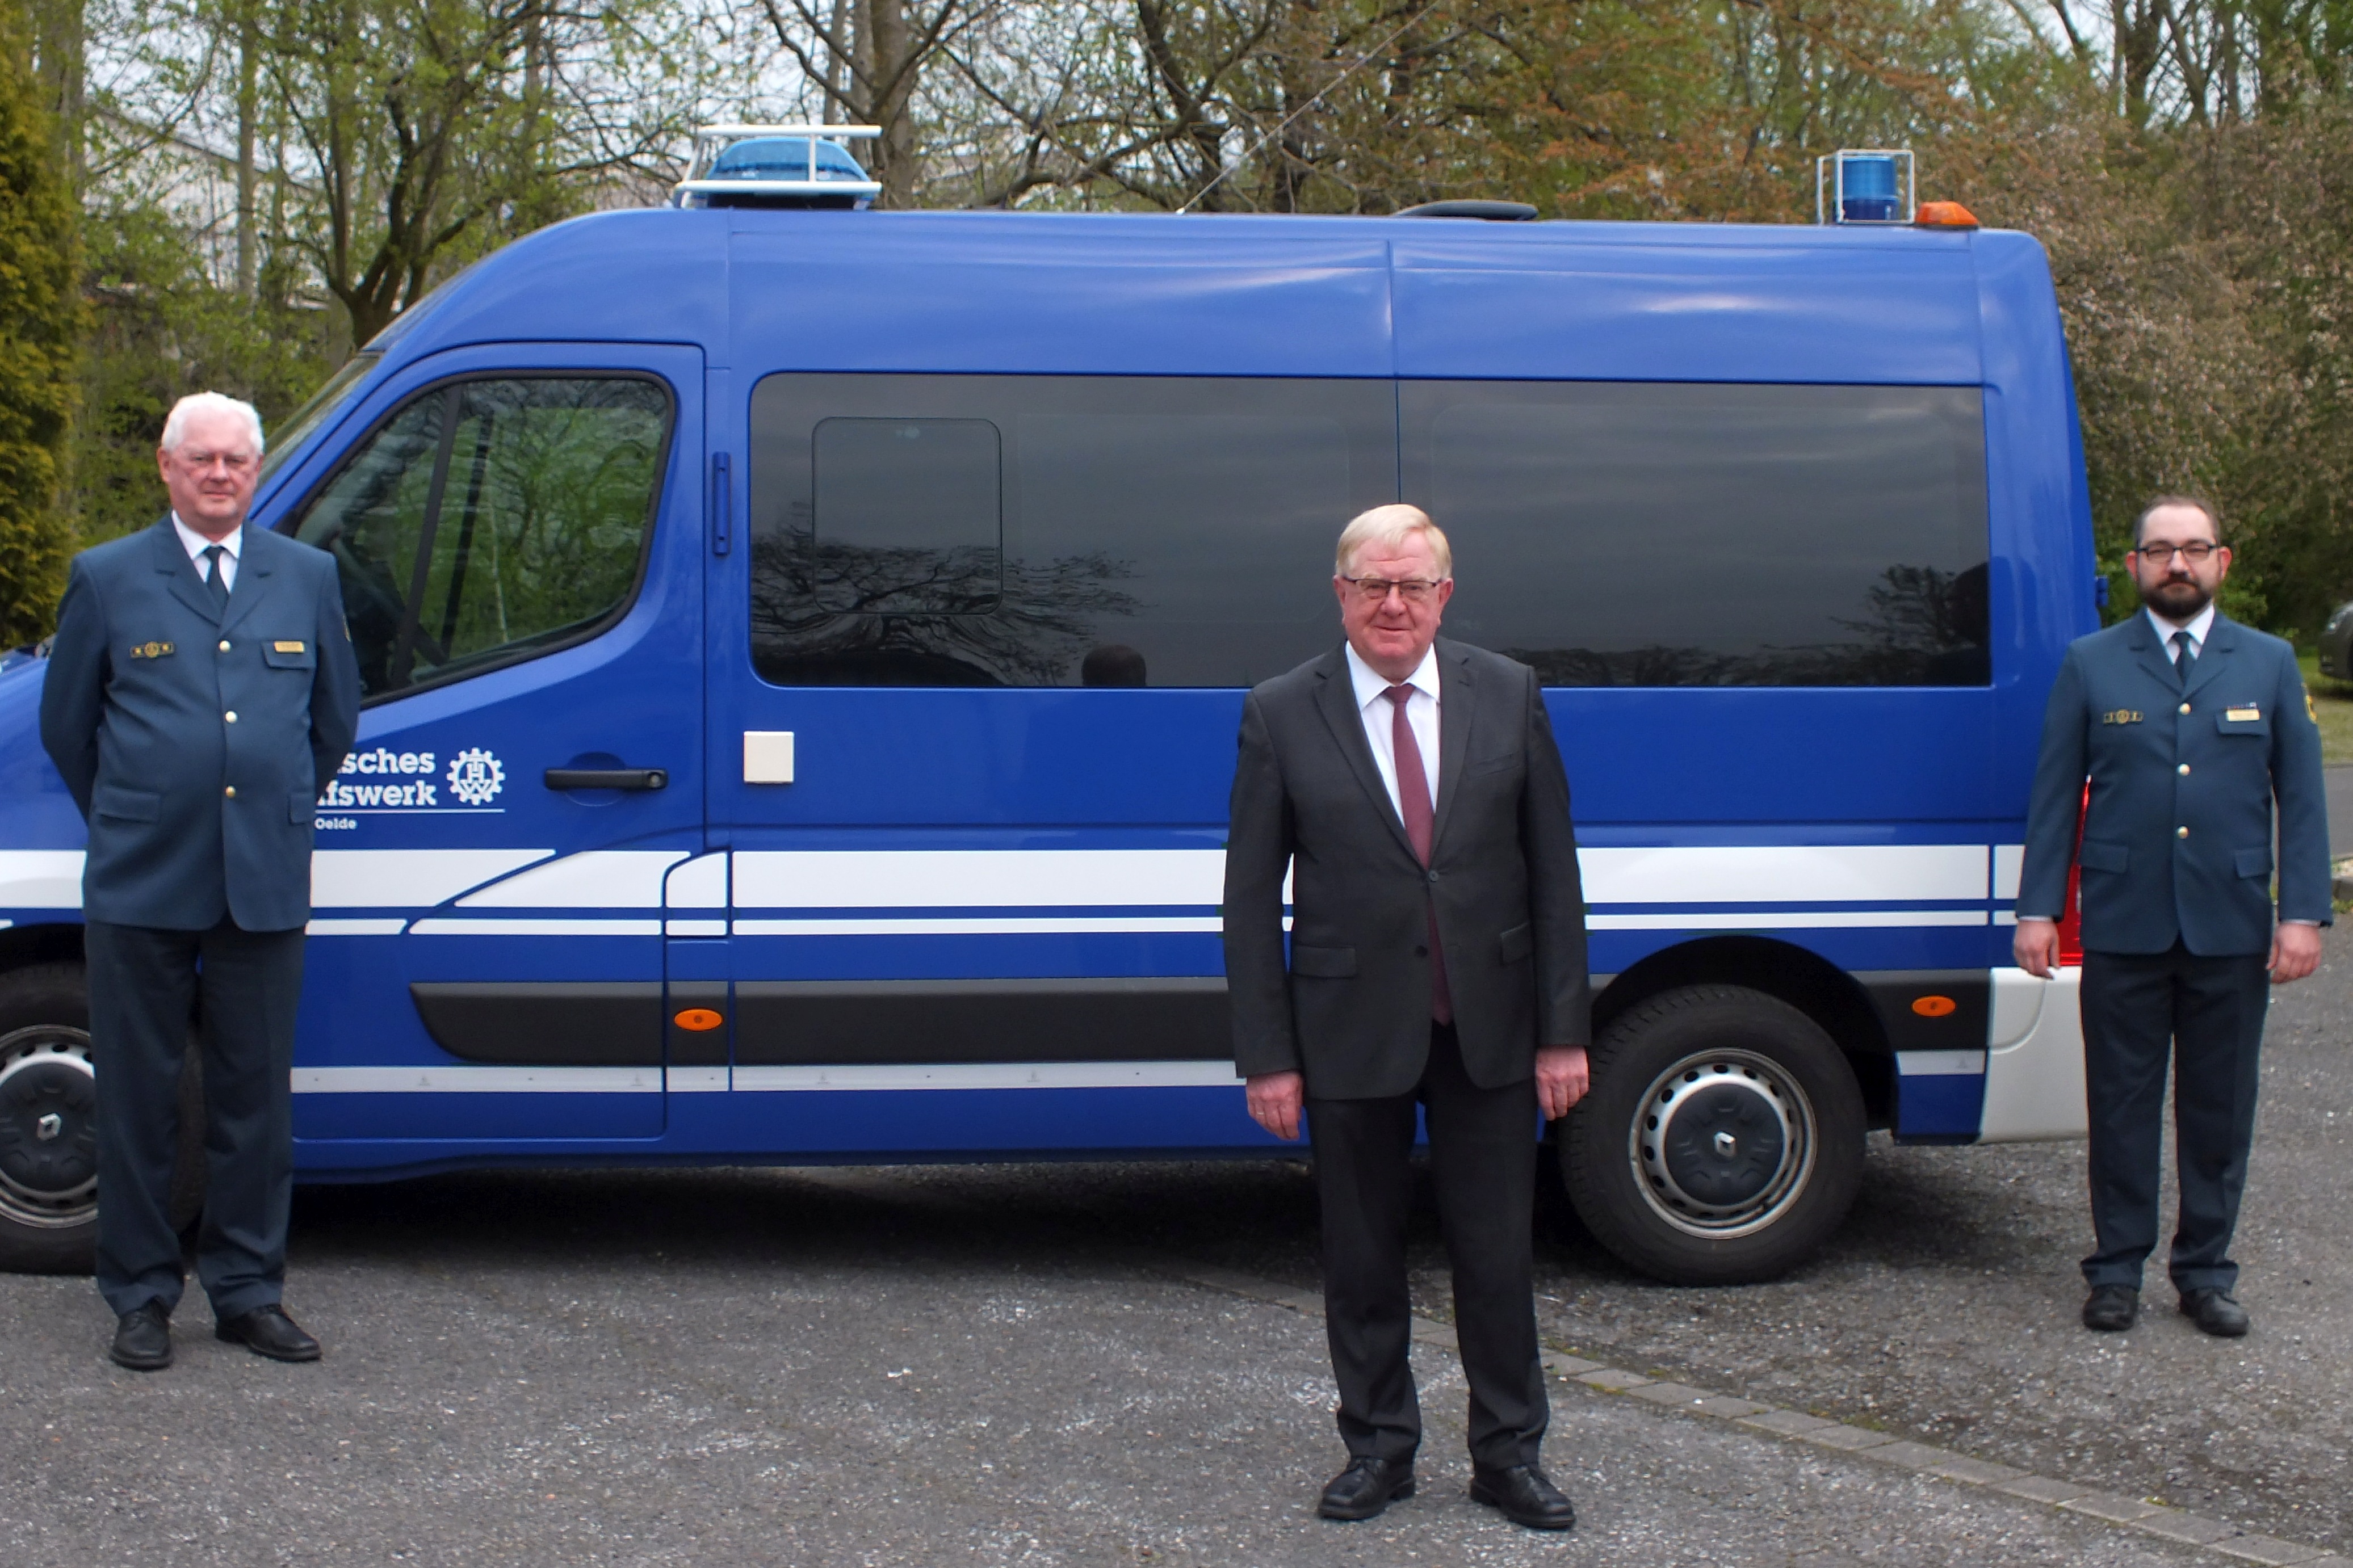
{"x":1413,"y":804}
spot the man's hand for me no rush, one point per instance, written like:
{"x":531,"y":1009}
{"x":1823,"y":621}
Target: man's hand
{"x":1562,"y":1078}
{"x":1275,"y":1101}
{"x":2296,"y":952}
{"x":2036,"y":947}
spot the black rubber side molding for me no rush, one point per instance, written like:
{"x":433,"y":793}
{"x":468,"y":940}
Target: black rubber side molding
{"x":571,"y":1024}
{"x":931,"y":1022}
{"x":608,"y":778}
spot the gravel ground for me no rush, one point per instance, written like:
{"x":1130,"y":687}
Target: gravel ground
{"x":748,"y":1367}
{"x":1945,"y":1309}
{"x":993,"y":1365}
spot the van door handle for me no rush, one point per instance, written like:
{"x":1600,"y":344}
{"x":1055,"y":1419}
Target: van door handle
{"x":607,"y":778}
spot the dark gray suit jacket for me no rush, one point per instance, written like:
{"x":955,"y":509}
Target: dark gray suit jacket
{"x":1351,"y":1008}
{"x":141,"y":677}
{"x":2212,"y":758}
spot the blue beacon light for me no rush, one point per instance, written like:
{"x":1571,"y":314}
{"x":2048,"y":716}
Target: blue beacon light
{"x":1864,"y":185}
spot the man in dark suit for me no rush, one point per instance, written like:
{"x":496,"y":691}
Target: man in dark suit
{"x":1412,"y":790}
{"x":2190,"y":727}
{"x":200,"y":692}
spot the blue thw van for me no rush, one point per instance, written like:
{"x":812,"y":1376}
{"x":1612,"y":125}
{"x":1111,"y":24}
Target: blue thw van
{"x":804,"y":652}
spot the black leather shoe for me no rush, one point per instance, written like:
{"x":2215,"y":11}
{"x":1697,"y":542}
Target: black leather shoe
{"x":1366,"y":1486}
{"x":2215,"y":1311}
{"x":143,"y":1339}
{"x":1524,"y":1497}
{"x":2110,"y":1308}
{"x":268,"y":1330}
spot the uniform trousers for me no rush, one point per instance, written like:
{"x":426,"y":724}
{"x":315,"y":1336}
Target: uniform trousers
{"x":2207,"y":1015}
{"x":242,"y":988}
{"x":1483,"y":1154}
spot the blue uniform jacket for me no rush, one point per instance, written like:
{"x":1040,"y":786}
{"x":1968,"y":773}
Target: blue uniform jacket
{"x":196,"y":744}
{"x":2178,"y":839}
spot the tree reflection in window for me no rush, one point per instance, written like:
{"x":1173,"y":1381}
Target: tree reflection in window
{"x":490,"y":518}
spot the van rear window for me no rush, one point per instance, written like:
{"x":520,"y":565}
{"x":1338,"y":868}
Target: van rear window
{"x":1064,"y":531}
{"x":1618,"y":534}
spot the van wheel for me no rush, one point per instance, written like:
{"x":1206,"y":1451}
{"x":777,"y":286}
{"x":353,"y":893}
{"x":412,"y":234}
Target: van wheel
{"x":1722,"y":1142}
{"x":49,"y":1125}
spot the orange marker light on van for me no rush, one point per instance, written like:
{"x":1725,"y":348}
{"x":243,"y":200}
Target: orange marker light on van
{"x":1945,"y":215}
{"x":1927,"y":1006}
{"x":702,"y":1018}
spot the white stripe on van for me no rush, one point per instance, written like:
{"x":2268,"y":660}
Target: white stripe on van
{"x":40,"y":879}
{"x":1784,"y":874}
{"x":918,"y":878}
{"x":990,"y":1075}
{"x":477,"y":1080}
{"x":595,"y":879}
{"x":407,"y":879}
{"x":1783,"y":920}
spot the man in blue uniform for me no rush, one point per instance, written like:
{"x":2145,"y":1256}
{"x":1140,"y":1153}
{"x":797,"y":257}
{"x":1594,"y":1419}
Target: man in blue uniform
{"x":200,"y":690}
{"x":2190,"y":727}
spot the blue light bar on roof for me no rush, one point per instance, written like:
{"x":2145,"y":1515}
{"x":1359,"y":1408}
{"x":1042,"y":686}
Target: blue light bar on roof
{"x":1864,"y":185}
{"x":784,"y":165}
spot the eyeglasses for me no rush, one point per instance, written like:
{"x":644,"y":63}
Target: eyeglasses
{"x":2195,"y":552}
{"x":199,"y":462}
{"x":1375,"y":590}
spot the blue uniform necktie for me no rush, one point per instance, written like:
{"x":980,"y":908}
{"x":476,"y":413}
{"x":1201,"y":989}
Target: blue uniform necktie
{"x":1413,"y":804}
{"x":2184,"y":655}
{"x":215,"y":582}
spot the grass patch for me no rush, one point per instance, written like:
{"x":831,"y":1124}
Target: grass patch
{"x":2333,"y":702}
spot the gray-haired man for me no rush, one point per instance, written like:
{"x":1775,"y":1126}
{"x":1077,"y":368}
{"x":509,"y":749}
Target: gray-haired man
{"x":199,"y":691}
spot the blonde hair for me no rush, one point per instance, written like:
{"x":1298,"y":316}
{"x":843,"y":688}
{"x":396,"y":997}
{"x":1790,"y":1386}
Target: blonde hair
{"x":175,"y":426}
{"x":1390,"y":525}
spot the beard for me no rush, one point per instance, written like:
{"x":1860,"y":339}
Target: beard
{"x":2178,"y":598}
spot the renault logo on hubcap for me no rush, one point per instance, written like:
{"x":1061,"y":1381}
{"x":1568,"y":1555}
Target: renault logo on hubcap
{"x":1726,"y":1146}
{"x":49,"y":1126}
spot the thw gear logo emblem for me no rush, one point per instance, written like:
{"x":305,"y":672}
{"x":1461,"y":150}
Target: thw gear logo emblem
{"x":475,"y":776}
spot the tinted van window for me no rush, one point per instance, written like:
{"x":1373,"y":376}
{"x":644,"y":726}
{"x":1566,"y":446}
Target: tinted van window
{"x":490,"y":520}
{"x":1053,"y":531}
{"x":1617,"y":534}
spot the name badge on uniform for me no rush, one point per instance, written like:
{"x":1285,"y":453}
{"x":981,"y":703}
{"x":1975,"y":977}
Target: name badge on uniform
{"x":2121,"y":716}
{"x":2244,"y":714}
{"x":286,"y":648}
{"x":150,"y":649}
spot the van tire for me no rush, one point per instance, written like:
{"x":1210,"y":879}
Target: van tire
{"x":1721,"y":1140}
{"x":48,"y":1196}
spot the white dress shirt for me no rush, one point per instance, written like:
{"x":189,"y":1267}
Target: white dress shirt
{"x":195,"y":545}
{"x":1420,"y":712}
{"x":2197,"y":625}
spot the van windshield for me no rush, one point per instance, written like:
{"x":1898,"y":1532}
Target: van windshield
{"x":297,"y":431}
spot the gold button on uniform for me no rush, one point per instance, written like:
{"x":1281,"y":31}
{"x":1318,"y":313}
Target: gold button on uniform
{"x":224,"y":648}
{"x":2184,"y":768}
{"x":2185,"y":708}
{"x":231,"y":718}
{"x":231,"y":793}
{"x":2181,"y":833}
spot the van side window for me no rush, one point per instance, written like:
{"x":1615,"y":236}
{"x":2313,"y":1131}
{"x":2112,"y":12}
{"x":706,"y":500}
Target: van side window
{"x":1053,"y":531}
{"x":488,"y":520}
{"x":1644,"y":535}
{"x":905,"y":519}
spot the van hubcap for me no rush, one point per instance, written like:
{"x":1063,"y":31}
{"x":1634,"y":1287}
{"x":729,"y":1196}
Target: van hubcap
{"x":1723,"y":1144}
{"x":49,"y":1127}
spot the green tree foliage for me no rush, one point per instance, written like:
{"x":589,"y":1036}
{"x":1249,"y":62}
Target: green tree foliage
{"x":41,"y":319}
{"x":163,"y":329}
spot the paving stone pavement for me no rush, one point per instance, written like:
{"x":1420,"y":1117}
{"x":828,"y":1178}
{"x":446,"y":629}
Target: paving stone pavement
{"x":805,"y":1368}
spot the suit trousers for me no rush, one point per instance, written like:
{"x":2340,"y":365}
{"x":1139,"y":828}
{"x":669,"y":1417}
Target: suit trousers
{"x":1483,"y":1154}
{"x":2207,"y":1013}
{"x":242,"y":988}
